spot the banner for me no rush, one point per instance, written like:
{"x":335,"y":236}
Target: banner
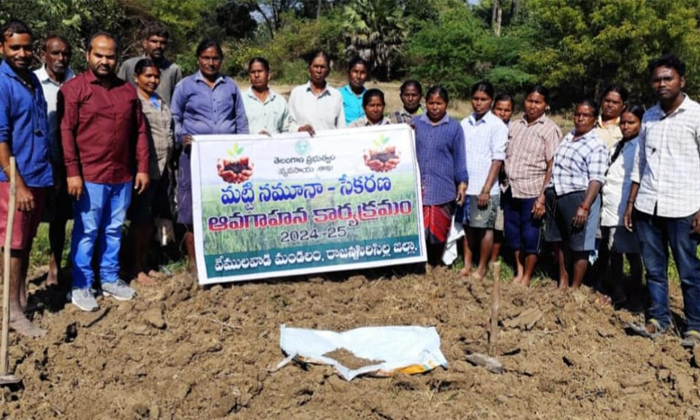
{"x":294,"y":204}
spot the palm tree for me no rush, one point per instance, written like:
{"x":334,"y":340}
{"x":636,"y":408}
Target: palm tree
{"x":375,"y":31}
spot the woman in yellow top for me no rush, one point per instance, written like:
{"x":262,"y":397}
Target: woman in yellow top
{"x":612,"y":103}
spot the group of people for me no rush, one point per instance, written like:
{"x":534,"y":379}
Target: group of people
{"x":113,"y":143}
{"x":622,"y":184}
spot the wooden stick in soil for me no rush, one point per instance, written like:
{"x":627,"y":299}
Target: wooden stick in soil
{"x":495,"y":303}
{"x":489,"y":362}
{"x":5,"y":377}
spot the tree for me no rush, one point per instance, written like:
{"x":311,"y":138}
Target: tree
{"x":449,"y":51}
{"x":582,"y":45}
{"x":497,"y":17}
{"x":188,"y":20}
{"x":234,"y":19}
{"x":271,"y":11}
{"x":77,"y":20}
{"x":375,"y":31}
{"x":490,"y":11}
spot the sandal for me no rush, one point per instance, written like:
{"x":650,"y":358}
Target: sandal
{"x":605,"y":301}
{"x":691,"y":338}
{"x":641,"y":329}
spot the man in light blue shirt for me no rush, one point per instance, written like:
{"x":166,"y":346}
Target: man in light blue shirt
{"x":354,"y":91}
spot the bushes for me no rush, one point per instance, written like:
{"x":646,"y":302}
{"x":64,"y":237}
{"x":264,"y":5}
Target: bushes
{"x":446,"y":53}
{"x":460,"y":50}
{"x":287,"y":52}
{"x":75,"y":20}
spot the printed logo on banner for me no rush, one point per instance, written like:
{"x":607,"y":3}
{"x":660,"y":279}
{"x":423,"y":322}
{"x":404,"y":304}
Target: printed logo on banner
{"x":302,"y":147}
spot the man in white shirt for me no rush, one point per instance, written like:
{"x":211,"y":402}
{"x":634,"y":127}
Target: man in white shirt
{"x":665,"y":193}
{"x":56,"y":54}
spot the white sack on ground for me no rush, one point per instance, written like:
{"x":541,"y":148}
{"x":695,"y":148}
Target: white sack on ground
{"x":400,"y":349}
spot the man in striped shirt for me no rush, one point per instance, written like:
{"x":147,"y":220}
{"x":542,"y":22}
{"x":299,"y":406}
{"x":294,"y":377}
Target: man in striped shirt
{"x":665,"y":193}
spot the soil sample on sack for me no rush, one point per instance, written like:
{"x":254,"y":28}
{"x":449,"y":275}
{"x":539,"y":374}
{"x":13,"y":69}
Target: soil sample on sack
{"x":349,"y":360}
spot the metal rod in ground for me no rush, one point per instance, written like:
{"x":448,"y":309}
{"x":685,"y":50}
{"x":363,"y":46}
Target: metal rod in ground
{"x":495,"y":303}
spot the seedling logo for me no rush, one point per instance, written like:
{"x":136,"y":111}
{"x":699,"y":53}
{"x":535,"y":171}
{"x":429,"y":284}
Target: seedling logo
{"x":382,"y":151}
{"x":381,"y":142}
{"x":383,"y":157}
{"x":235,"y":151}
{"x":236,"y":168}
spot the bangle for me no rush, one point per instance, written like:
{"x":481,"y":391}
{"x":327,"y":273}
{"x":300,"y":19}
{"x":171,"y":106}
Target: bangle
{"x":630,"y":202}
{"x":584,"y":208}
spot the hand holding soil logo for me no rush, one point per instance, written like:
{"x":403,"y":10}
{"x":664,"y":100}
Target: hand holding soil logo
{"x":235,"y":169}
{"x":383,"y":158}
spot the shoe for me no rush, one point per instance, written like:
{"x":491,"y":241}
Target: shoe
{"x":641,"y":329}
{"x":118,"y":290}
{"x":84,"y":299}
{"x":691,"y":338}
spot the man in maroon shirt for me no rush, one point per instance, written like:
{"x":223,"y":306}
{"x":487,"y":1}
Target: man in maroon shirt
{"x":102,"y":131}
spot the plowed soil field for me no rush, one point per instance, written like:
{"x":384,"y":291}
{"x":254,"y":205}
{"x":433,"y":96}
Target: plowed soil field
{"x":183,"y":352}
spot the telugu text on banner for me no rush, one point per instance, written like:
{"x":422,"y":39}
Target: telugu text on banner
{"x":293,"y":204}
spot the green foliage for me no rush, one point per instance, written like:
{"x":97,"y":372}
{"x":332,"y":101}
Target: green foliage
{"x":184,"y":18}
{"x":420,"y":12}
{"x":575,"y":47}
{"x":376,"y":31}
{"x":585,"y":44}
{"x":447,"y":53}
{"x":298,"y":37}
{"x":41,"y":247}
{"x":288,"y":50}
{"x":75,"y":19}
{"x":511,"y":11}
{"x":293,"y":72}
{"x":234,"y":20}
{"x":509,"y":79}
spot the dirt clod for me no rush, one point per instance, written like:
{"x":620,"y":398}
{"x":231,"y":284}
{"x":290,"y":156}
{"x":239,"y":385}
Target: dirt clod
{"x":154,"y":318}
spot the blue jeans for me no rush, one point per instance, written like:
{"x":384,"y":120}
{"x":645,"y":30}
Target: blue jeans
{"x":656,"y":234}
{"x":99,"y":214}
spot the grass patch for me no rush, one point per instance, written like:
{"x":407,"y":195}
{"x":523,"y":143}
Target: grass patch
{"x":40,"y":254}
{"x":173,"y":267}
{"x":41,"y":248}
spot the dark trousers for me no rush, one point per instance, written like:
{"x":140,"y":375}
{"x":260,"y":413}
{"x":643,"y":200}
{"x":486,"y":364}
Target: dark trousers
{"x":521,"y":230}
